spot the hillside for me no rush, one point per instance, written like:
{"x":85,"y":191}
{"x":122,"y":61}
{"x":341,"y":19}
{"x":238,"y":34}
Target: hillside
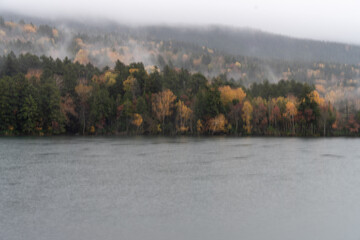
{"x":248,"y":42}
{"x":229,"y":40}
{"x":103,"y":43}
{"x":93,"y":54}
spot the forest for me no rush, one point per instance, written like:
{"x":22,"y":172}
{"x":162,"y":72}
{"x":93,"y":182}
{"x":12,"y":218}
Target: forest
{"x":329,"y":66}
{"x":46,"y":96}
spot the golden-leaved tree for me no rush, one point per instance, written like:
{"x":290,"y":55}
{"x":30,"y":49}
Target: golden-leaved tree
{"x":162,"y":104}
{"x":183,"y":116}
{"x":247,"y":116}
{"x":109,"y":78}
{"x":217,"y":124}
{"x":227,"y":94}
{"x":131,"y":86}
{"x":137,"y":120}
{"x":290,"y":113}
{"x":199,"y":126}
{"x":326,"y":109}
{"x":315,"y":96}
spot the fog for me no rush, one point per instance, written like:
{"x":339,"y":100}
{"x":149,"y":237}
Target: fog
{"x":183,"y":35}
{"x":314,"y":19}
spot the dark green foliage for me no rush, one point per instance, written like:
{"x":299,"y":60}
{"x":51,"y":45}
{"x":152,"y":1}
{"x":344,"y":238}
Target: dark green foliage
{"x":155,"y":83}
{"x":52,"y":119}
{"x":11,"y":66}
{"x":72,"y":98}
{"x":197,"y":82}
{"x":283,"y":88}
{"x":29,"y":61}
{"x":171,"y":79}
{"x":101,"y":106}
{"x":141,"y":106}
{"x":8,"y":104}
{"x":29,"y":114}
{"x":208,"y":103}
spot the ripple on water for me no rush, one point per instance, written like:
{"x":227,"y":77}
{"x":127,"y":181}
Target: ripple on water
{"x":46,"y":154}
{"x":329,"y":155}
{"x":242,"y":157}
{"x":243,"y":145}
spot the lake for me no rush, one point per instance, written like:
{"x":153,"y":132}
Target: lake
{"x":89,"y":188}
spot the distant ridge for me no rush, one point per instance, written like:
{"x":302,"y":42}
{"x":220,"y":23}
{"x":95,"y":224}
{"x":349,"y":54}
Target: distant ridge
{"x":255,"y":43}
{"x":229,"y":40}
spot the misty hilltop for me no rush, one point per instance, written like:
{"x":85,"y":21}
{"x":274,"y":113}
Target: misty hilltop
{"x":117,"y":60}
{"x":229,"y":40}
{"x":255,"y":43}
{"x":239,"y":54}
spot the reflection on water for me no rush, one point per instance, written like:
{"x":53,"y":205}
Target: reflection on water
{"x":179,"y":188}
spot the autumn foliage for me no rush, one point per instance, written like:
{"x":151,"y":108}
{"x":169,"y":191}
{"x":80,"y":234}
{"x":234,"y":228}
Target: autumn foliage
{"x":228,"y":94}
{"x":247,"y":116}
{"x":137,"y":120}
{"x":217,"y":124}
{"x":63,"y":96}
{"x":162,"y":104}
{"x":82,"y":57}
{"x":184,"y":114}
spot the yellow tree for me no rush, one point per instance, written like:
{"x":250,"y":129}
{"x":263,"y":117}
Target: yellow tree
{"x":315,"y":96}
{"x":133,"y":70}
{"x":199,"y":126}
{"x":227,"y":94}
{"x":162,"y":104}
{"x":326,"y":109}
{"x":247,"y":116}
{"x":130,"y":86}
{"x":217,"y":124}
{"x":110,"y":78}
{"x":290,"y":113}
{"x":183,"y":116}
{"x":137,"y":120}
{"x":84,"y":93}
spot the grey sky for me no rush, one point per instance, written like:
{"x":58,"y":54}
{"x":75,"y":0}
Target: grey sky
{"x":316,"y":19}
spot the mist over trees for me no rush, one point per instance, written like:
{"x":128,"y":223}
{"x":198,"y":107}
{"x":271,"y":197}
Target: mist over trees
{"x":255,"y":43}
{"x":228,"y":40}
{"x":45,"y":96}
{"x":161,"y":80}
{"x":250,"y":55}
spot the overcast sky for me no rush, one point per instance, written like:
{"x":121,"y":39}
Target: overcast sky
{"x":315,"y":19}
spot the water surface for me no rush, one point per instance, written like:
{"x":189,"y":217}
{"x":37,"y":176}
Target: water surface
{"x":179,"y":188}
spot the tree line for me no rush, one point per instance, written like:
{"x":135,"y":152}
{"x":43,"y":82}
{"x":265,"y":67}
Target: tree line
{"x":45,"y":96}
